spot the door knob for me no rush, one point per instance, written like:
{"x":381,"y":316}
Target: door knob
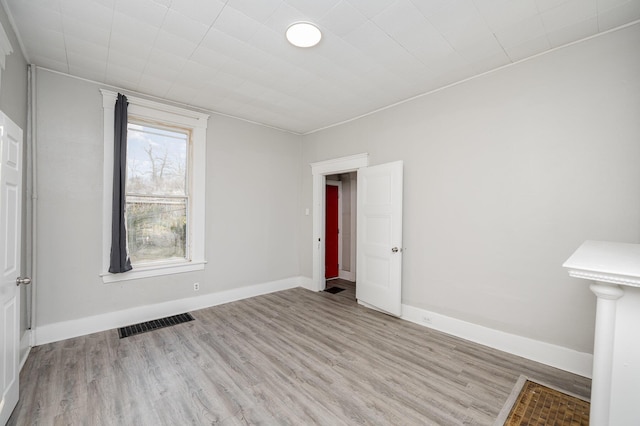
{"x":394,"y":250}
{"x":23,"y":280}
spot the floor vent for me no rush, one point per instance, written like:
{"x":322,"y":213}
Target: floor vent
{"x":334,"y":290}
{"x":143,"y":327}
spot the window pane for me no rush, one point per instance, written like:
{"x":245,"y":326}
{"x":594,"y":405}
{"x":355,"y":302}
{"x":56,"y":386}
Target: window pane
{"x":156,"y":228}
{"x":156,"y":161}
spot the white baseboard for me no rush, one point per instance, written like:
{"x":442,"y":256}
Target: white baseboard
{"x":306,"y":282}
{"x":347,"y":275}
{"x":82,"y":326}
{"x":556,"y":356}
{"x":545,"y":353}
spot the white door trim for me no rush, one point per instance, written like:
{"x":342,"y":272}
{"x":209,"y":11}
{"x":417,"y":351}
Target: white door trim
{"x":319,"y":171}
{"x":32,"y":206}
{"x":339,"y":185}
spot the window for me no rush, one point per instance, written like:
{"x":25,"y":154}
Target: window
{"x":157,"y":193}
{"x":166,"y":151}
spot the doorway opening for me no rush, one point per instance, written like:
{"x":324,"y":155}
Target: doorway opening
{"x":333,"y":230}
{"x":323,"y":171}
{"x":344,"y":235}
{"x":379,"y":222}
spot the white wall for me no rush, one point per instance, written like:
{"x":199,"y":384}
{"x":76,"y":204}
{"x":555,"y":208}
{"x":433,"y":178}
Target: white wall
{"x":252,"y":200}
{"x":13,"y":89}
{"x":346,"y":222}
{"x":505,"y":176}
{"x":349,"y":190}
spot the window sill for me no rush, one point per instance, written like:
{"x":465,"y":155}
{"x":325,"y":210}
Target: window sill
{"x":153,"y":271}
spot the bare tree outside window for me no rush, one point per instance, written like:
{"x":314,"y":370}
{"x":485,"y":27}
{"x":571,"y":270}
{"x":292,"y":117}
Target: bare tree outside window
{"x":157,"y":193}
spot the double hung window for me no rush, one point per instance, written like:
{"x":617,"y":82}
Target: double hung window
{"x":165,"y":188}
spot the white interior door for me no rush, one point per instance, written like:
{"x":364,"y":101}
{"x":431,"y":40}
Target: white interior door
{"x":10,"y":215}
{"x":379,"y":266}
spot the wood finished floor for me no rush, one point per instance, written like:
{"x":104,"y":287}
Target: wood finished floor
{"x":293,"y":357}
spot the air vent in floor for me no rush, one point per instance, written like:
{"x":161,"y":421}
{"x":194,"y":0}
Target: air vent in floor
{"x":143,"y":327}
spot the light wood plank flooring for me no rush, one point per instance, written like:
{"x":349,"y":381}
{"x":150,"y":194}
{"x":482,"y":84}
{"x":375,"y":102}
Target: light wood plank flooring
{"x":293,"y":357}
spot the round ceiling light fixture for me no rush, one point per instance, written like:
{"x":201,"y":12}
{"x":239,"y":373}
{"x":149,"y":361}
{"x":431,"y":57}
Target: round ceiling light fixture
{"x":303,"y":34}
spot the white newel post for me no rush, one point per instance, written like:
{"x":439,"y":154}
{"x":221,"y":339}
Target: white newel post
{"x":616,"y":368}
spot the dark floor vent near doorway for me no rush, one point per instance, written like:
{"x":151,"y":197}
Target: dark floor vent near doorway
{"x":334,"y":290}
{"x":143,"y":327}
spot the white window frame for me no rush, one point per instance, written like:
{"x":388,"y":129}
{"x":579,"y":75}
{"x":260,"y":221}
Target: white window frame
{"x":196,"y":122}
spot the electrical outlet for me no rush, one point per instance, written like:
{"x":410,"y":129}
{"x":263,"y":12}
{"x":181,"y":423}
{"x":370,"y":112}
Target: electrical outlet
{"x":196,"y":286}
{"x":427,"y":319}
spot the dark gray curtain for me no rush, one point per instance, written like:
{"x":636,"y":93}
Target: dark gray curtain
{"x":120,"y":261}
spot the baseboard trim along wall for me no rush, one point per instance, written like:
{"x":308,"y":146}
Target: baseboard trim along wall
{"x":347,"y":275}
{"x":306,"y":282}
{"x":545,"y":353}
{"x":79,"y":327}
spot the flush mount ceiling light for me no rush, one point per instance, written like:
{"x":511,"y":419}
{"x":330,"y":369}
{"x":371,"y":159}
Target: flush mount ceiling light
{"x":303,"y":34}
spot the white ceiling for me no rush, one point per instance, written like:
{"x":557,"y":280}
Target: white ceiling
{"x":230,"y":56}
